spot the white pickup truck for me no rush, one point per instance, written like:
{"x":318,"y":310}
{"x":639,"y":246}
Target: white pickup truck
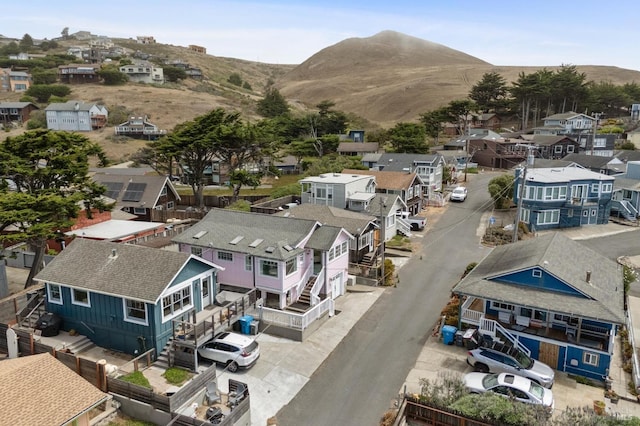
{"x":417,"y":223}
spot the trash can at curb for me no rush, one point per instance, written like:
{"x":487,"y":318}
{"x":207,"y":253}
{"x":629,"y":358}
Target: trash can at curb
{"x":245,"y":324}
{"x":459,"y":341}
{"x":448,"y":334}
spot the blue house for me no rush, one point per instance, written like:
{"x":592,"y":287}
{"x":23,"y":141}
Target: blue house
{"x":124,"y":297}
{"x":552,"y":297}
{"x":563,"y":197}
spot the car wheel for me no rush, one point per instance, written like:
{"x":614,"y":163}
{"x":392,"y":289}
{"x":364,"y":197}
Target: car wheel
{"x":232,"y":366}
{"x":481,"y":367}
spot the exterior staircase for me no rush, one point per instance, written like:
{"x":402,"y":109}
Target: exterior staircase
{"x":625,"y":209}
{"x":303,"y":303}
{"x":369,"y":259}
{"x":497,"y":332}
{"x":403,"y":227}
{"x":164,"y":359}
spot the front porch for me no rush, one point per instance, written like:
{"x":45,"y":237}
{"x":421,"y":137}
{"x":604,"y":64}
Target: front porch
{"x":556,"y":326}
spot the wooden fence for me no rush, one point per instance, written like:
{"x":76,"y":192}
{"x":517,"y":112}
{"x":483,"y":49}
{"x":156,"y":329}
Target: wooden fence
{"x":139,"y":393}
{"x":416,"y":410}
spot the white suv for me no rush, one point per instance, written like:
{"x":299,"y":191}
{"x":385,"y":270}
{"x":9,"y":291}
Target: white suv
{"x":231,"y":350}
{"x":459,"y":194}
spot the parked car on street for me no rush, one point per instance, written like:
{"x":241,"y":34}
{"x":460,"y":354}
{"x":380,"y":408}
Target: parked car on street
{"x":459,"y":194}
{"x":499,"y":358}
{"x":232,"y":350}
{"x":510,"y":386}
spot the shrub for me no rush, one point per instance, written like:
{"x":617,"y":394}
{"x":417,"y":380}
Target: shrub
{"x":241,"y":205}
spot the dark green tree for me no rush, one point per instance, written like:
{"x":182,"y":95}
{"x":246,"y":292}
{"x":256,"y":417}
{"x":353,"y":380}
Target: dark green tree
{"x":632,"y":90}
{"x":568,"y":88}
{"x":42,"y":92}
{"x":50,"y":173}
{"x":433,"y":122}
{"x":409,"y":138}
{"x":273,"y":104}
{"x":174,"y":74}
{"x":458,"y":112}
{"x":26,"y":43}
{"x":501,"y":191}
{"x":247,"y":86}
{"x":112,"y":76}
{"x":44,"y":76}
{"x":11,"y":48}
{"x":490,"y":93}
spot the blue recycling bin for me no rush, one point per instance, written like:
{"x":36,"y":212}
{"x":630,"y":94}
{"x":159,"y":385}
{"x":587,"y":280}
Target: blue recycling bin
{"x":245,"y":324}
{"x":448,"y":334}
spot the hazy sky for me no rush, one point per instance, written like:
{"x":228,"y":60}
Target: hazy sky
{"x":540,"y":33}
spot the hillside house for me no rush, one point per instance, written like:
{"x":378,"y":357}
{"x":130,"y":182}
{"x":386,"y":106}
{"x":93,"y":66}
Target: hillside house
{"x":143,"y":72}
{"x":14,"y":81}
{"x":139,"y":127}
{"x":78,"y":73}
{"x":76,"y":116}
{"x":16,"y":111}
{"x":428,"y":167}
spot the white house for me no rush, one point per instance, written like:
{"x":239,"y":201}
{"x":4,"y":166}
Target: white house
{"x":76,"y":116}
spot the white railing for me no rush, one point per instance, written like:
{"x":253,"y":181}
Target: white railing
{"x":491,"y":327}
{"x":403,"y":226}
{"x":305,"y":279}
{"x":317,"y":286}
{"x":295,"y":320}
{"x":471,"y":316}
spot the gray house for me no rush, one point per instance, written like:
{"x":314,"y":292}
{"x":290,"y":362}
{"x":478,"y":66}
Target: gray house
{"x":74,"y":116}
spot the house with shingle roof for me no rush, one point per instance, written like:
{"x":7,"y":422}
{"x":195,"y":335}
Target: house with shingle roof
{"x":280,"y":257}
{"x":125,"y":297}
{"x":552,"y":297}
{"x":566,"y":123}
{"x":16,"y":111}
{"x":606,"y":165}
{"x":554,"y":147}
{"x":75,"y":116}
{"x":357,"y":148}
{"x":146,"y":196}
{"x":428,"y":166}
{"x":407,"y":185}
{"x":361,"y":225}
{"x":40,"y":390}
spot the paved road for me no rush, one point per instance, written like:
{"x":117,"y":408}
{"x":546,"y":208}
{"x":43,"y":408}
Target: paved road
{"x":361,"y":377}
{"x":614,"y":246}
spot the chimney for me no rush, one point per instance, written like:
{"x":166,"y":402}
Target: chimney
{"x":589,"y":277}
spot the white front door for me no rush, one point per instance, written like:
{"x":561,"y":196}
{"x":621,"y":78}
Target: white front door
{"x":206,"y":292}
{"x":337,"y":289}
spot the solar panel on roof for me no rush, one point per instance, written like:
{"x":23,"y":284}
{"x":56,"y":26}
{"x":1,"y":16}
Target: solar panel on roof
{"x":113,"y":189}
{"x":134,"y":192}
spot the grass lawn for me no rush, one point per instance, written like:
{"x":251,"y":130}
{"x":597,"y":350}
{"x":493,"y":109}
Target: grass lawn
{"x":269,"y":184}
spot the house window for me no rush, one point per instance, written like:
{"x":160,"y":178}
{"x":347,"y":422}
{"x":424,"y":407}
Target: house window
{"x":558,"y":149}
{"x":248,"y":263}
{"x":139,"y":210}
{"x":269,"y":268}
{"x":332,"y":254}
{"x":502,"y":306}
{"x":606,"y":187}
{"x":345,"y":247}
{"x":525,"y":312}
{"x":579,"y":191}
{"x":525,"y":215}
{"x":177,"y":302}
{"x":540,"y":315}
{"x":135,"y":311}
{"x":548,"y":217}
{"x":226,"y":256}
{"x":570,"y":149}
{"x":595,"y":188}
{"x":80,"y":297}
{"x":170,"y":205}
{"x":537,"y":273}
{"x":291,"y":266}
{"x":55,"y":293}
{"x":196,"y":251}
{"x":590,"y":358}
{"x":163,"y":191}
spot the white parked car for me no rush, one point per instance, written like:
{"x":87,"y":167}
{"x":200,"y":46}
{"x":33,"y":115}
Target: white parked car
{"x":511,"y":386}
{"x":459,"y":194}
{"x":232,"y":350}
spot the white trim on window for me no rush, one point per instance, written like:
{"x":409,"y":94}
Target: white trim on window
{"x":50,"y":294}
{"x":136,"y":306}
{"x":248,"y":262}
{"x":78,"y":301}
{"x":176,"y":297}
{"x":536,"y":273}
{"x":270,"y":265}
{"x":589,"y":358}
{"x":225,"y":256}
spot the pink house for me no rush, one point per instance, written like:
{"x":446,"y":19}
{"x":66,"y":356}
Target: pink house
{"x":293,"y":263}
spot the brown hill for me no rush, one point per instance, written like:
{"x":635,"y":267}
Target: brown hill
{"x":391,"y":77}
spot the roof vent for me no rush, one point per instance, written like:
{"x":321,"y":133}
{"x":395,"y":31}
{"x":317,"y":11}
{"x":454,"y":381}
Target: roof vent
{"x":287,"y":247}
{"x":270,"y":249}
{"x":589,"y":277}
{"x":114,"y":254}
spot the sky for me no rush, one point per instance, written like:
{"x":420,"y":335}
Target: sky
{"x":516,"y":33}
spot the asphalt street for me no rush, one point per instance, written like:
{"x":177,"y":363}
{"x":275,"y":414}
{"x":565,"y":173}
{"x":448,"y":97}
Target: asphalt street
{"x":362,"y":375}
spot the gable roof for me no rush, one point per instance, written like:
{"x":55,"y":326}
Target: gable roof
{"x":391,"y":180}
{"x":324,"y":237}
{"x":136,"y":272}
{"x":70,"y":106}
{"x":56,"y":394}
{"x":590,"y":161}
{"x":145,"y":191}
{"x":548,"y":140}
{"x":17,"y":105}
{"x":390,"y":204}
{"x":561,"y":257}
{"x":405,"y":162}
{"x":354,"y":222}
{"x":566,"y":116}
{"x":259,"y":232}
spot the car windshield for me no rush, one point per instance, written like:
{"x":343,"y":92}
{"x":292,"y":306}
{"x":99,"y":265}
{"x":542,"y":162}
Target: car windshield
{"x":489,"y":381}
{"x":524,"y":360}
{"x":536,"y":390}
{"x":458,"y":191}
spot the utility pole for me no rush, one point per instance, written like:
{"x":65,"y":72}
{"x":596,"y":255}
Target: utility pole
{"x":382,"y":237}
{"x":520,"y":197}
{"x":466,"y":161}
{"x":595,"y":128}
